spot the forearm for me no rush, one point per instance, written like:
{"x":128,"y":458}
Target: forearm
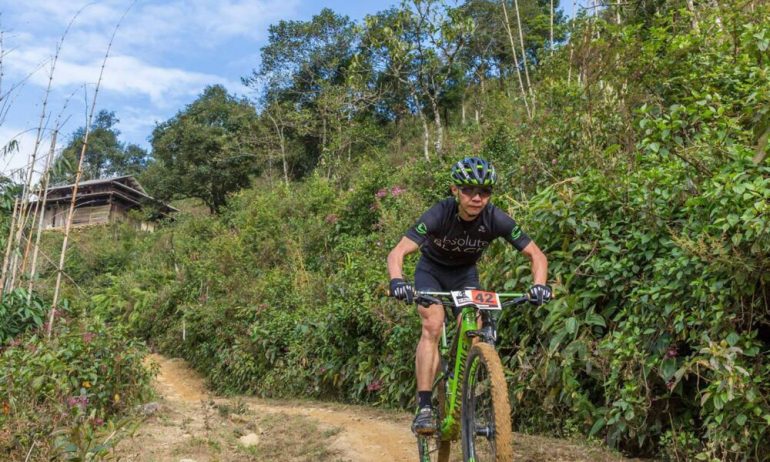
{"x":540,"y":269}
{"x":396,"y":257}
{"x":539,"y":263}
{"x":395,"y":264}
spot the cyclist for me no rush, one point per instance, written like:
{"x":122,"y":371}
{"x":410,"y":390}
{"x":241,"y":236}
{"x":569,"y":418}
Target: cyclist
{"x":451,"y":236}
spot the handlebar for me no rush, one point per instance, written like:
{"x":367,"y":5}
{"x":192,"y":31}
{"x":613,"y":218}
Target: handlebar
{"x":517,"y":298}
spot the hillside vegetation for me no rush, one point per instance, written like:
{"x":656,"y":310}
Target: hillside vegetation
{"x":637,"y":164}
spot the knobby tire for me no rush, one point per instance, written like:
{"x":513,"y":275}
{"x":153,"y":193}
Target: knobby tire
{"x":486,"y":411}
{"x":430,"y":448}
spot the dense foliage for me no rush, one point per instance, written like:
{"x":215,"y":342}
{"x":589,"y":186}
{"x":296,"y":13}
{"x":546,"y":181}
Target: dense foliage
{"x":19,"y":313}
{"x":60,"y":396}
{"x":63,"y":395}
{"x":634,"y":155}
{"x":206,"y":151}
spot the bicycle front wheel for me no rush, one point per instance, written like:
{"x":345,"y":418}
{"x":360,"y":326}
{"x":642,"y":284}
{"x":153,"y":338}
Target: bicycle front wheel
{"x":431,"y":448}
{"x":486,"y":412}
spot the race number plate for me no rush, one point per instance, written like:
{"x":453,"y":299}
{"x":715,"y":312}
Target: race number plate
{"x":483,"y":300}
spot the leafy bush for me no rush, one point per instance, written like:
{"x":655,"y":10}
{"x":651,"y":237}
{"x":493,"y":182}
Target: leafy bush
{"x":19,"y":314}
{"x":81,"y":379}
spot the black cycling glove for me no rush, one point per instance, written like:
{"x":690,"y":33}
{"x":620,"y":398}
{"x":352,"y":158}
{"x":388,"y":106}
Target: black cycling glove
{"x":401,"y":290}
{"x":539,"y":294}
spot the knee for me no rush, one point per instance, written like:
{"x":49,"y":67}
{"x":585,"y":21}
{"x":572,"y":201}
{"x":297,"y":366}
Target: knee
{"x":431,"y":328}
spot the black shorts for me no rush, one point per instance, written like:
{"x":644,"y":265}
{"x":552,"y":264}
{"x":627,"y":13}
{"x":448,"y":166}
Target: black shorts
{"x":430,"y":276}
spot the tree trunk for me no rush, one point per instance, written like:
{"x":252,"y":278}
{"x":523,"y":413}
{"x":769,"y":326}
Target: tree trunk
{"x":425,"y":136}
{"x":515,"y":59}
{"x":423,"y":120}
{"x":323,"y":134}
{"x":717,"y":7}
{"x":437,"y":122}
{"x":284,"y":162}
{"x":524,"y":55}
{"x":761,"y":147}
{"x":282,"y":145}
{"x":571,"y":46}
{"x":694,"y":20}
{"x":350,"y":149}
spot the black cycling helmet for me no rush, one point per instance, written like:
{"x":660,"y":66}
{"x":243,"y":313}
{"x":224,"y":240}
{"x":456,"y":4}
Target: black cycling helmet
{"x":473,"y":171}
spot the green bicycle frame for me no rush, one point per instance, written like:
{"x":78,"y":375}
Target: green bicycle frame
{"x":449,"y":427}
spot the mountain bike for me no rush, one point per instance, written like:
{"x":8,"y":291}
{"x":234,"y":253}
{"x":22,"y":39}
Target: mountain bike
{"x":470,"y":393}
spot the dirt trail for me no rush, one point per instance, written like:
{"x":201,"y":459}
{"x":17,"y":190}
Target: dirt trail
{"x":193,"y":426}
{"x":365,"y":438}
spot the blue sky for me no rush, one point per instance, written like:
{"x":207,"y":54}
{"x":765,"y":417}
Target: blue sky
{"x":164,"y":54}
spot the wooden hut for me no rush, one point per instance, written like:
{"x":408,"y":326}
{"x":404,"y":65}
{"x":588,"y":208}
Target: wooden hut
{"x":100,"y":202}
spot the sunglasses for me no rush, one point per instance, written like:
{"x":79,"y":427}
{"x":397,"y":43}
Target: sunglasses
{"x":471,"y":191}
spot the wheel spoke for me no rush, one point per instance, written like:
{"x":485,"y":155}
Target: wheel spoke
{"x":486,"y":412}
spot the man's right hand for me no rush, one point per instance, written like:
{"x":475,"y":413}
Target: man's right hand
{"x":401,"y":290}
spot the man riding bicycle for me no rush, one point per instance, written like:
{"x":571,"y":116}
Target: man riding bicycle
{"x":451,"y":236}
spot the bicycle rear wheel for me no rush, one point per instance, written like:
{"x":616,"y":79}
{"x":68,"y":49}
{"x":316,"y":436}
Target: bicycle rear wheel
{"x":486,"y":412}
{"x":430,"y":448}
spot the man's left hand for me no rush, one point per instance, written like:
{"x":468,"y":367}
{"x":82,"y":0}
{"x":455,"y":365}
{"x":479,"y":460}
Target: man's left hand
{"x":539,"y":294}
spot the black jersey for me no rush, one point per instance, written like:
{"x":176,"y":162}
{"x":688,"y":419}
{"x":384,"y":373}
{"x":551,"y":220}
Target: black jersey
{"x":447,"y":239}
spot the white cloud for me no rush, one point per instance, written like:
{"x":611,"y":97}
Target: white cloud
{"x":160,"y":49}
{"x":129,"y":75}
{"x":202,"y":23}
{"x":229,"y":19}
{"x":137,"y":123}
{"x":15,"y":162}
{"x":164,"y":53}
{"x":122,"y":75}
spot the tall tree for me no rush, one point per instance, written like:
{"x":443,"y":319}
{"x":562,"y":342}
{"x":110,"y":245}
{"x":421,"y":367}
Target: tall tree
{"x":105,"y":155}
{"x":206,"y":151}
{"x":421,"y":42}
{"x":304,"y":67}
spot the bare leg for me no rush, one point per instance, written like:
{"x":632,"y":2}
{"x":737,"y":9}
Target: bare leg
{"x":426,"y":359}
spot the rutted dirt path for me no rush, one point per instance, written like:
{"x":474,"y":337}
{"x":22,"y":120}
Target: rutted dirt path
{"x":190,"y":425}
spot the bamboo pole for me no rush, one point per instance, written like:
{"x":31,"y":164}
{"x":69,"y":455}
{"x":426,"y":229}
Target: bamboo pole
{"x":27,"y":191}
{"x":8,"y":245}
{"x":24,"y":209}
{"x":14,"y":264}
{"x":78,"y":174}
{"x":515,"y":59}
{"x":42,"y":203}
{"x":39,"y":138}
{"x":2,"y":55}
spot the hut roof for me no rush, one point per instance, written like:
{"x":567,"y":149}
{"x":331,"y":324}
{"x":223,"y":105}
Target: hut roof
{"x":126,"y":187}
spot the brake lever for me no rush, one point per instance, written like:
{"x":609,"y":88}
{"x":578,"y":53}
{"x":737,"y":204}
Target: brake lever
{"x":427,"y":300}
